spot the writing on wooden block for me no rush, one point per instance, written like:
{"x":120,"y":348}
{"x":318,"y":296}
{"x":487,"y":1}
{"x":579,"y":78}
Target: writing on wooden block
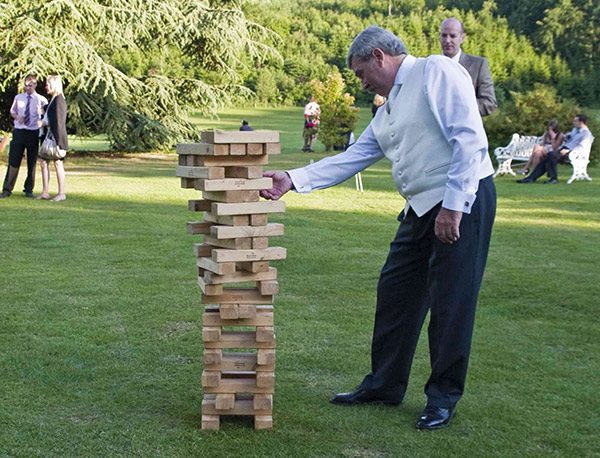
{"x":236,"y":136}
{"x":248,"y":208}
{"x":225,"y":401}
{"x":200,"y":172}
{"x":268,"y":254}
{"x":202,"y":149}
{"x":231,"y":196}
{"x":230,"y":232}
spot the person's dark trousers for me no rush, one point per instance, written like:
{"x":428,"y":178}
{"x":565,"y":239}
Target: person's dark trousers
{"x":553,"y":158}
{"x":422,"y":273}
{"x":541,"y":168}
{"x":22,"y":140}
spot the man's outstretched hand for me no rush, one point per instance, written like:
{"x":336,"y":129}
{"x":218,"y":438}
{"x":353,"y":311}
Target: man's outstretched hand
{"x":281,"y":184}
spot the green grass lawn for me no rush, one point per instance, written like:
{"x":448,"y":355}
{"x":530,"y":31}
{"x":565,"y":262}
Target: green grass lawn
{"x":100,"y":320}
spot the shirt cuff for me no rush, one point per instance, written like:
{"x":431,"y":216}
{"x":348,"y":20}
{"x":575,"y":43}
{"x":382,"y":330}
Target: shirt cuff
{"x":458,"y":201}
{"x":300,"y":180}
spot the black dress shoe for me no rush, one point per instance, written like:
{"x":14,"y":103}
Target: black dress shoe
{"x":29,"y":194}
{"x":435,"y":417}
{"x":525,"y":180}
{"x":4,"y":195}
{"x":551,"y":181}
{"x":361,"y":396}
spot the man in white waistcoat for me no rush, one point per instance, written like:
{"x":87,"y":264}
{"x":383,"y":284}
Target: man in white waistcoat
{"x":431,"y":131}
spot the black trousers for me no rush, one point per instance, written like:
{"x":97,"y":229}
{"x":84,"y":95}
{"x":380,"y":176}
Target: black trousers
{"x":549,"y":165}
{"x":22,"y":139}
{"x":422,"y":273}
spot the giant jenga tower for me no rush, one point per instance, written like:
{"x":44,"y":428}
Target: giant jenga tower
{"x":238,"y":285}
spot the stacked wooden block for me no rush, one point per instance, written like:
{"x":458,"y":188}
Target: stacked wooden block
{"x":238,"y":284}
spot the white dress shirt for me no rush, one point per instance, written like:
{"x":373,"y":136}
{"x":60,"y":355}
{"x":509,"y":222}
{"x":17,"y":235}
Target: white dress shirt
{"x":445,"y":83}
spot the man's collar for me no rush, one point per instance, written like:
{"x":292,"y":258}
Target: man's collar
{"x":457,"y":55}
{"x":407,"y":64}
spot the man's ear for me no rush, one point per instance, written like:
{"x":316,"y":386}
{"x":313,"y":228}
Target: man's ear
{"x":379,"y":56}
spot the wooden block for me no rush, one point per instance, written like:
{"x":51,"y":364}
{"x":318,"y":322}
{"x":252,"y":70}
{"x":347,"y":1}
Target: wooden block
{"x":199,"y":205}
{"x":236,"y":136}
{"x":263,"y":402}
{"x":263,"y":422}
{"x":244,"y":405}
{"x":240,"y":276}
{"x":191,"y":160}
{"x":254,"y":267}
{"x":235,"y":220}
{"x":220,"y":268}
{"x":225,"y":401}
{"x":258,"y":220}
{"x":237,"y":149}
{"x":259,"y":243}
{"x":202,"y":149}
{"x":202,"y":250}
{"x":265,"y":357}
{"x":251,"y":171}
{"x":240,"y":385}
{"x":232,"y":244}
{"x":233,"y":184}
{"x":238,"y":296}
{"x":238,"y":361}
{"x":198,"y":227}
{"x":262,"y":319}
{"x":210,"y":378}
{"x":265,"y":333}
{"x":212,"y":358}
{"x":248,"y":311}
{"x":211,"y":334}
{"x":188,"y":183}
{"x":265,"y":379}
{"x":268,"y":254}
{"x":255,"y":149}
{"x":238,"y":339}
{"x":211,"y":422}
{"x":273,"y":148}
{"x":183,"y":160}
{"x":210,"y":290}
{"x":268,"y":287}
{"x":231,"y":196}
{"x":248,"y":208}
{"x":232,"y":232}
{"x":229,"y":311}
{"x":210,"y":173}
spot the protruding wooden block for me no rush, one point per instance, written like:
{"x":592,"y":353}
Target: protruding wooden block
{"x":263,"y":402}
{"x":225,"y":401}
{"x":265,"y":357}
{"x":212,"y":357}
{"x":236,"y":136}
{"x":265,"y":334}
{"x":211,"y":334}
{"x":270,"y":287}
{"x":231,"y":196}
{"x":248,"y":208}
{"x":210,"y":173}
{"x":260,"y":243}
{"x":199,"y":205}
{"x":259,"y":220}
{"x":212,"y":422}
{"x":198,"y":227}
{"x":211,"y":379}
{"x":263,"y":422}
{"x":249,"y":171}
{"x":229,"y":311}
{"x":220,"y":268}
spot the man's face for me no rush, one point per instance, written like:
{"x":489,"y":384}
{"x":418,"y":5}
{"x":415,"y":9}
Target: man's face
{"x":451,"y":37}
{"x":577,"y":123}
{"x":30,"y":86}
{"x":371,"y":75}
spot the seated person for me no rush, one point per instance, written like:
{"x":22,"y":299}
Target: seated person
{"x":580,"y":138}
{"x":552,"y":140}
{"x":245,"y":127}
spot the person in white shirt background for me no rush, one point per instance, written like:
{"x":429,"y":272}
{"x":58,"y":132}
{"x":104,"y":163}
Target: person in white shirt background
{"x":431,"y":131}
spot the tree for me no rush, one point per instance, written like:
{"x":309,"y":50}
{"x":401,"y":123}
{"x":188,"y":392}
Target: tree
{"x":338,"y":115}
{"x":143,"y":104}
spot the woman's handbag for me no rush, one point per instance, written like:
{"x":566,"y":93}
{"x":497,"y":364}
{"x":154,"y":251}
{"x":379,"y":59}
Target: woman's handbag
{"x":50,"y":150}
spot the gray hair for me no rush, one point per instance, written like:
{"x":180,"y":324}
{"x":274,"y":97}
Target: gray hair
{"x":375,"y":37}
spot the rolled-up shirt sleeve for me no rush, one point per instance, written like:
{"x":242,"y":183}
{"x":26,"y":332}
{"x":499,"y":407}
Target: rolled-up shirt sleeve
{"x":452,"y":100}
{"x":332,"y":170}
